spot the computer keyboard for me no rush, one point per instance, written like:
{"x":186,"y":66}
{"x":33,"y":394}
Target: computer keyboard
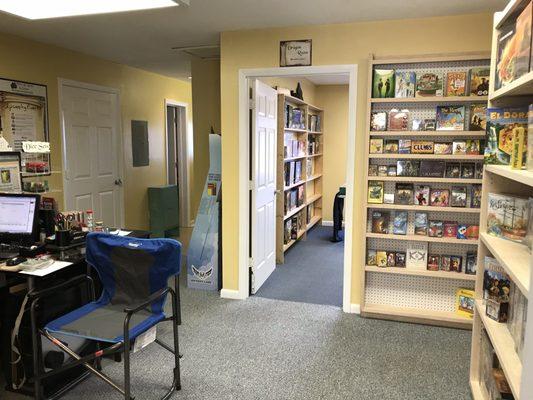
{"x":9,"y":250}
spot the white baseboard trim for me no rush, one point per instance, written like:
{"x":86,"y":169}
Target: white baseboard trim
{"x":330,"y":223}
{"x":230,"y":294}
{"x":355,"y":308}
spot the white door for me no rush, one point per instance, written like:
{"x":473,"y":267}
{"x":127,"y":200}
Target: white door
{"x":263,"y":203}
{"x":92,"y":152}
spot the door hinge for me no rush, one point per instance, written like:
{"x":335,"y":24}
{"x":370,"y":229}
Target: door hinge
{"x":252,"y":104}
{"x":251,"y":263}
{"x":250,"y":185}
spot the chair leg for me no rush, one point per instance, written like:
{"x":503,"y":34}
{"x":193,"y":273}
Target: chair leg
{"x":127,"y":380}
{"x":175,"y":321}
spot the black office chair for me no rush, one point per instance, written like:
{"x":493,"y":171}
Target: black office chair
{"x":134,"y":275}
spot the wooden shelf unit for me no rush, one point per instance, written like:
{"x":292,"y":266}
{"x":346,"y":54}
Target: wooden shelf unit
{"x":404,"y":305}
{"x":515,"y":258}
{"x":311,"y":183}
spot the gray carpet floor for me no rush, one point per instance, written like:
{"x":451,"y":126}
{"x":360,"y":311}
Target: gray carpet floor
{"x":312,"y":272}
{"x":270,"y":349}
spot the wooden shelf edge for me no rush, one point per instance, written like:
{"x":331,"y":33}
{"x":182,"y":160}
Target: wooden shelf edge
{"x":432,"y":99}
{"x":294,"y":158}
{"x":294,"y":211}
{"x":420,"y":238}
{"x":504,"y":346}
{"x":314,"y":221}
{"x":468,"y":210}
{"x":312,"y":178}
{"x":294,"y":185}
{"x":522,"y":86}
{"x":428,"y":317}
{"x":432,"y":58}
{"x":427,"y":133}
{"x":298,"y":237}
{"x":423,"y":179}
{"x":477,"y":157}
{"x":522,"y":176}
{"x":314,"y":198}
{"x":514,"y":257}
{"x":478,"y":393}
{"x":297,"y":130}
{"x":413,"y":272}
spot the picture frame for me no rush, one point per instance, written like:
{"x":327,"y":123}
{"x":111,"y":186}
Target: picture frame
{"x":10,"y":171}
{"x":296,"y":53}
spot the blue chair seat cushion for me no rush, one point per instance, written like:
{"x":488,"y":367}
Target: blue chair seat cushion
{"x":103,"y":322}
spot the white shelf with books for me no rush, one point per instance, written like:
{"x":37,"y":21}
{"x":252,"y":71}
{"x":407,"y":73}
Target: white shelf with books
{"x":502,"y":338}
{"x":299,"y":167}
{"x":424,"y":166}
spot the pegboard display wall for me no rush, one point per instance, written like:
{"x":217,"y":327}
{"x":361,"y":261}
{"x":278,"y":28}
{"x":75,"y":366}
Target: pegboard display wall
{"x":411,"y":291}
{"x":425,"y":293}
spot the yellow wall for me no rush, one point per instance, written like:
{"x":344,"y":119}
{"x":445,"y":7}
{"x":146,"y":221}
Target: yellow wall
{"x":332,"y":44}
{"x":142,"y":96}
{"x":308,"y":88}
{"x":333,"y":99}
{"x":206,"y":114}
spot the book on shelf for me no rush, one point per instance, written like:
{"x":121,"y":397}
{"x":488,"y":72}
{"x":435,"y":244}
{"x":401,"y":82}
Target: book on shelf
{"x":376,"y":146}
{"x":456,"y":83}
{"x":383,"y":83}
{"x":496,"y":290}
{"x":371,"y":257}
{"x":433,"y":262}
{"x":375,"y":192}
{"x":400,"y":257}
{"x":404,"y":193}
{"x":380,"y":221}
{"x":391,"y":259}
{"x":405,"y":84}
{"x":501,"y":122}
{"x":471,"y":263}
{"x":478,"y":117}
{"x":479,"y":81}
{"x":435,"y":229}
{"x":399,"y":224}
{"x":416,"y":256}
{"x":429,"y":84}
{"x":450,"y":118}
{"x":517,"y":319}
{"x":421,"y":223}
{"x":458,"y":196}
{"x":398,"y":120}
{"x":315,"y":123}
{"x":465,"y":302}
{"x":507,"y":216}
{"x":378,"y":121}
{"x":381,"y":258}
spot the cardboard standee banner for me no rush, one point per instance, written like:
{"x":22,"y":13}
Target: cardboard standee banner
{"x":203,"y":266}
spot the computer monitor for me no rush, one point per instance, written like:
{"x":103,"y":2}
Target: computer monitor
{"x":19,"y":219}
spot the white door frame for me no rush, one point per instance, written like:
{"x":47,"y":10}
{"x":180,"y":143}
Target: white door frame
{"x":185,"y":161}
{"x":61,"y":82}
{"x":244,"y":161}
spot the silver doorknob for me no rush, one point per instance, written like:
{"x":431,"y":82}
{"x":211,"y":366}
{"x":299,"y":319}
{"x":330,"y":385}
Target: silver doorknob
{"x":118,"y":182}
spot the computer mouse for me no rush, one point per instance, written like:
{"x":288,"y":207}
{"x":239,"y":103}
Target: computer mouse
{"x":15,"y":261}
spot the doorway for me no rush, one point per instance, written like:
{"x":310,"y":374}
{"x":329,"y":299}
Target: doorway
{"x":179,"y":156}
{"x":253,"y":250}
{"x":92,"y":150}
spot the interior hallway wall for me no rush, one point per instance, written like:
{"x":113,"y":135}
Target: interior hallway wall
{"x":142,"y":97}
{"x":206,"y":114}
{"x":349,"y":43}
{"x":333,"y":99}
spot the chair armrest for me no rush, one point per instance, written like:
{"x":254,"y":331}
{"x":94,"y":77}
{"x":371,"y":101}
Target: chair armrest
{"x":76,"y":281}
{"x":134,"y":308}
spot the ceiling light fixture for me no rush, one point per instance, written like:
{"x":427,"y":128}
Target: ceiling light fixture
{"x":39,"y":9}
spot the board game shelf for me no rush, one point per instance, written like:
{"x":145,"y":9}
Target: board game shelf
{"x":504,"y":347}
{"x":500,"y":259}
{"x":405,"y":124}
{"x":414,"y":272}
{"x":423,"y":208}
{"x":300,"y":132}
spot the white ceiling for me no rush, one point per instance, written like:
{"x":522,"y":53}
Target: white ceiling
{"x":144,"y":38}
{"x":333,"y":79}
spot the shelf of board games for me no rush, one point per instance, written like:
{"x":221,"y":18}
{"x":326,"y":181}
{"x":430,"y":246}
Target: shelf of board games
{"x":307,"y":132}
{"x":415,"y":272}
{"x":382,"y":297}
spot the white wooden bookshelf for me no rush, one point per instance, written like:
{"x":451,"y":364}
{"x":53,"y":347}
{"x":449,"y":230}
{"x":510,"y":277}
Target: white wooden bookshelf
{"x":405,"y":294}
{"x":311,"y":208}
{"x":515,"y":258}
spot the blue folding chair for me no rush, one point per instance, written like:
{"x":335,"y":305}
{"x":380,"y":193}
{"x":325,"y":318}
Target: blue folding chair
{"x":134,"y":275}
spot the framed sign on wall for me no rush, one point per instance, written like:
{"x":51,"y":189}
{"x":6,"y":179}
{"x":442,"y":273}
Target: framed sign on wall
{"x":24,"y":112}
{"x":295,"y":53}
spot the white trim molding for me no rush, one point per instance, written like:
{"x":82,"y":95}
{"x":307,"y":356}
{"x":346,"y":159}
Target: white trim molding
{"x":185,"y":160}
{"x":231,"y":294}
{"x":244,"y":160}
{"x":355,"y":308}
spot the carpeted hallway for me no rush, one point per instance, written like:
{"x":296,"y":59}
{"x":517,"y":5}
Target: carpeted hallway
{"x":270,"y":349}
{"x":312,"y":272}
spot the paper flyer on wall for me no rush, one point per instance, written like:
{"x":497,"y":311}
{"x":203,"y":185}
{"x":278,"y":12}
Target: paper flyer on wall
{"x":202,"y":255}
